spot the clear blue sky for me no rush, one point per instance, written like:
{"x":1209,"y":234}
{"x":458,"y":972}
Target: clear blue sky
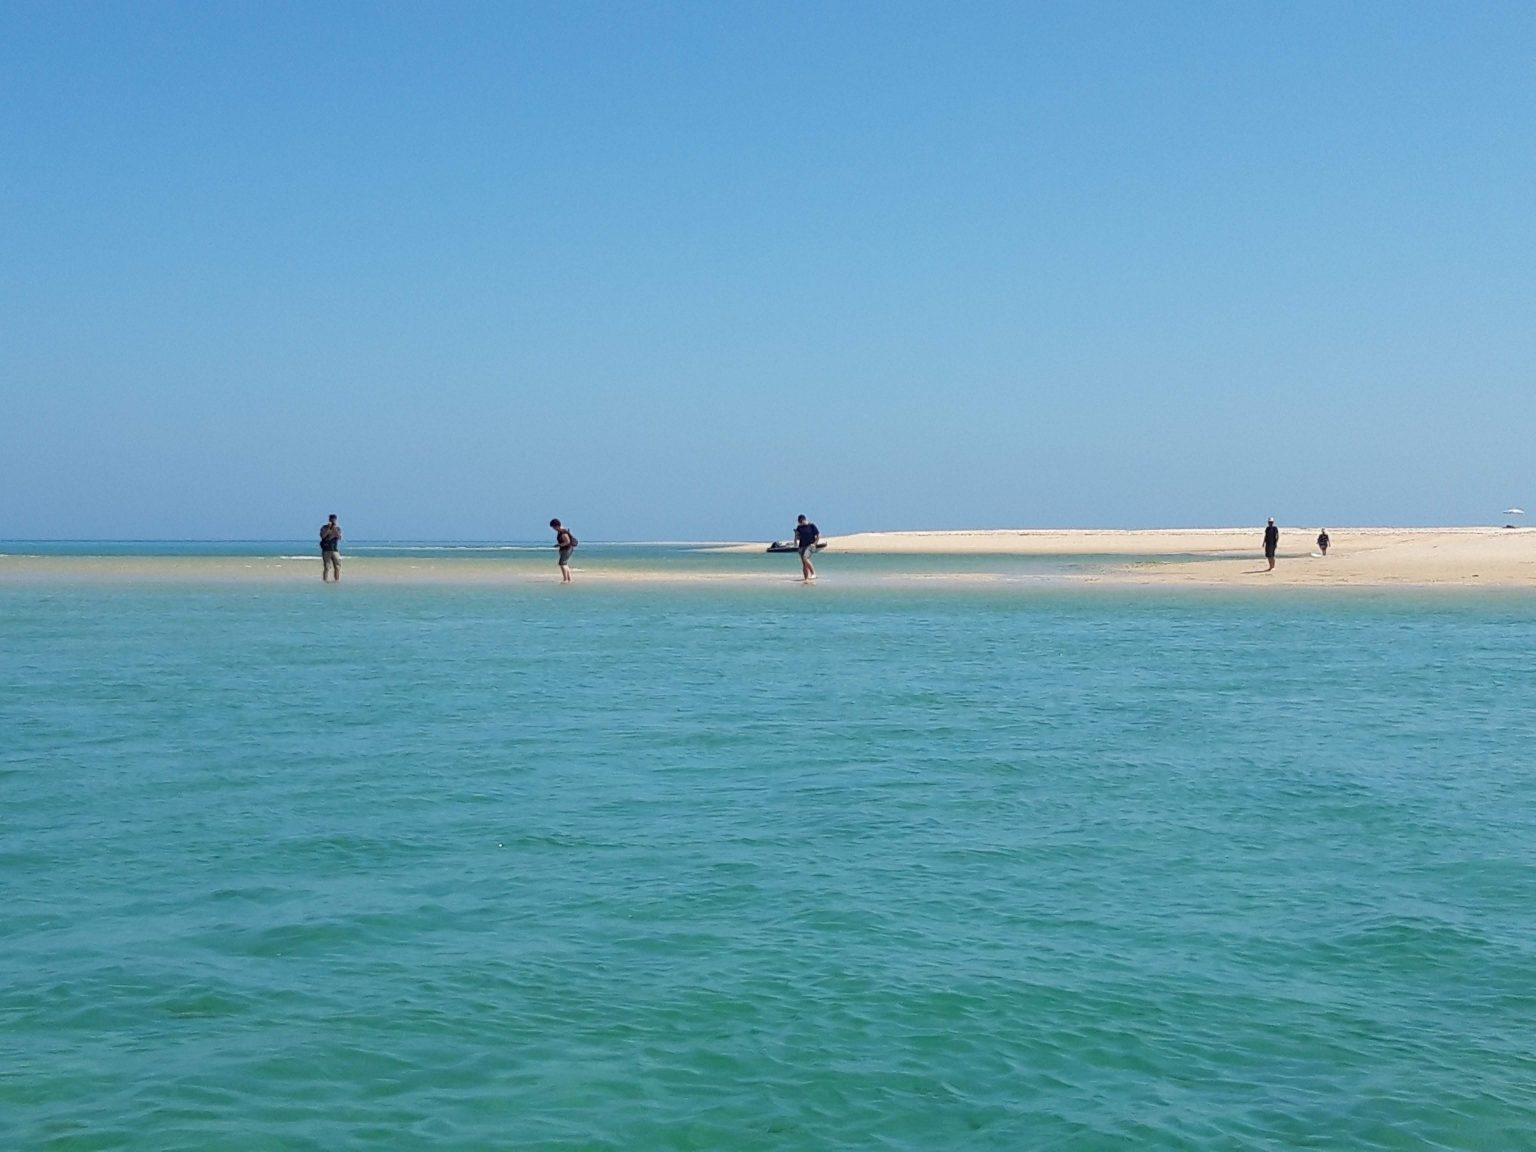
{"x":681,"y":271}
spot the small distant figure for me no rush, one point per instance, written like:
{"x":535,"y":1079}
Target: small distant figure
{"x":806,"y":536}
{"x":1323,"y":541}
{"x":1271,"y":542}
{"x":330,"y":554}
{"x":566,"y":542}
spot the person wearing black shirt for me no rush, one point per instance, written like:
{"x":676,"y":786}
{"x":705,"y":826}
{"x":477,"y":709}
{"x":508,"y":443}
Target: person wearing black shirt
{"x":566,"y":543}
{"x":1271,"y":542}
{"x":806,"y":536}
{"x":330,"y":556}
{"x":1322,"y":541}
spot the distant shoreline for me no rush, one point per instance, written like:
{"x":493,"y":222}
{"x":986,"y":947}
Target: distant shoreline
{"x":1181,"y":557}
{"x":1233,"y":557}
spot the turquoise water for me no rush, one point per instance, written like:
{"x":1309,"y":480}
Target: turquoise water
{"x":764,"y":867}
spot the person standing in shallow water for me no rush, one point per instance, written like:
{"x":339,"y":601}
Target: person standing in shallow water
{"x":567,"y":544}
{"x":806,"y":536}
{"x":330,"y":554}
{"x":1271,"y":542}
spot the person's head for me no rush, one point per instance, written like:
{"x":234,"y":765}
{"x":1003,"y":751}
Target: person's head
{"x":554,"y":524}
{"x":800,"y":520}
{"x":333,"y":517}
{"x":1271,"y":519}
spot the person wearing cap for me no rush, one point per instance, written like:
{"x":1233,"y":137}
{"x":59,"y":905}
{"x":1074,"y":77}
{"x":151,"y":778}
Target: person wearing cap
{"x":806,"y":537}
{"x":1271,"y":542}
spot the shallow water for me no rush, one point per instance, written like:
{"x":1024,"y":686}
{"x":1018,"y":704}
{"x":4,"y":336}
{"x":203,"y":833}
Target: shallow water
{"x":764,"y":867}
{"x":200,"y":562}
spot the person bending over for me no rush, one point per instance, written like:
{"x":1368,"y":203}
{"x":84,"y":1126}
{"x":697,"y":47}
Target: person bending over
{"x":566,"y":542}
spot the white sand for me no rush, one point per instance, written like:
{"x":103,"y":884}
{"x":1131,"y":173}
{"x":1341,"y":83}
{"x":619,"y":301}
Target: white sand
{"x":1235,"y":556}
{"x":1211,"y":557}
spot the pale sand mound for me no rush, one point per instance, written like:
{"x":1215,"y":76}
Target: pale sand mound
{"x":1219,"y":556}
{"x":1211,"y":557}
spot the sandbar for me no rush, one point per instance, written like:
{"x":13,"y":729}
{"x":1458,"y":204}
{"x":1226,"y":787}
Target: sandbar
{"x":1371,"y":557}
{"x":1374,"y":557}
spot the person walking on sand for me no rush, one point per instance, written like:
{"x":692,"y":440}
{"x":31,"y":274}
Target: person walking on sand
{"x":1323,"y":541}
{"x":330,"y":555}
{"x":1271,"y":542}
{"x":806,"y":536}
{"x":567,"y":544}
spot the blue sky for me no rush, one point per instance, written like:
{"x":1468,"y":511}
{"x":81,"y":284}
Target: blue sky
{"x":681,"y":271}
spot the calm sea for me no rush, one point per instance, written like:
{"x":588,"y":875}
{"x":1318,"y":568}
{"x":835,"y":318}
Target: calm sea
{"x":713,"y":866}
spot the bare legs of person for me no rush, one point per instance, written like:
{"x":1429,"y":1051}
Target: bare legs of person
{"x":807,"y":569}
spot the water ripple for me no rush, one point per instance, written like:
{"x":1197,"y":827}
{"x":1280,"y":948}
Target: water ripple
{"x":1020,"y":869}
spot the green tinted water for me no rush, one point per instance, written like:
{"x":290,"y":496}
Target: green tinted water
{"x":764,"y":868}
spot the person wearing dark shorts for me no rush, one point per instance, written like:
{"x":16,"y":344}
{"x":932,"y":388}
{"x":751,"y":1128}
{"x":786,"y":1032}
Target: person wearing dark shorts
{"x":566,"y":542}
{"x":1271,"y":542}
{"x":330,"y":554}
{"x":806,"y":536}
{"x":1323,"y":541}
